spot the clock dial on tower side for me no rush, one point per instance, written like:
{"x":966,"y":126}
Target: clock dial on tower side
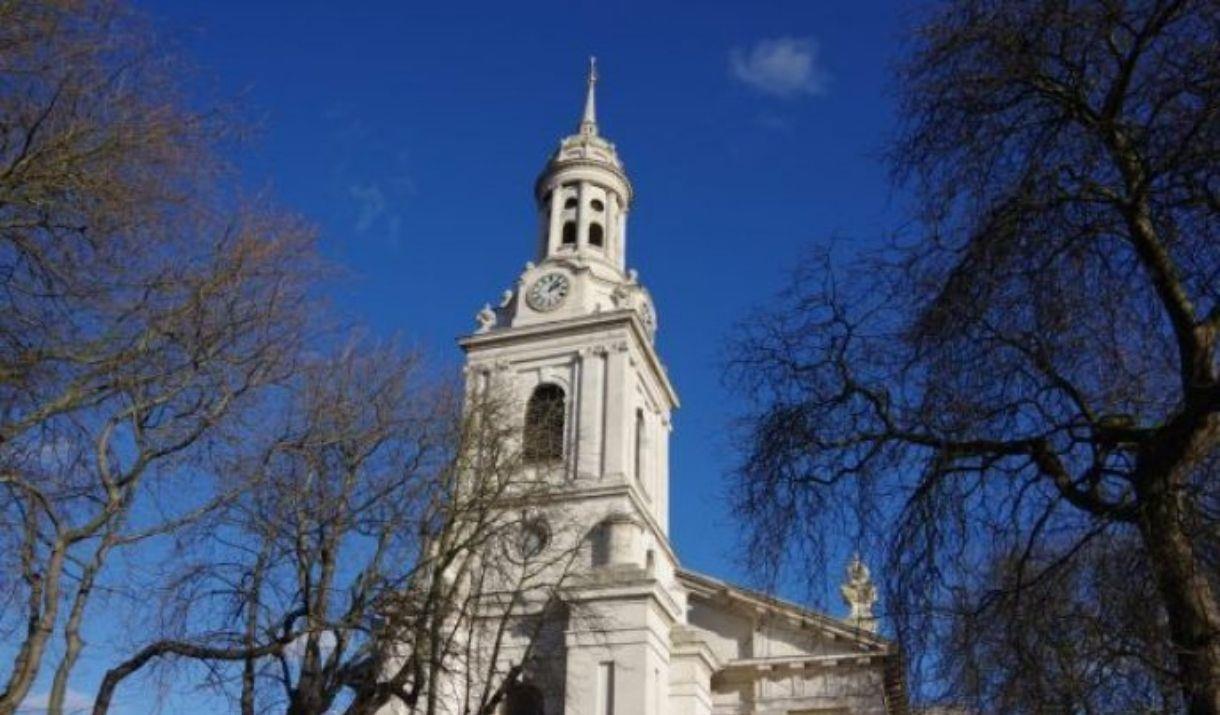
{"x":648,"y":316}
{"x":548,"y":292}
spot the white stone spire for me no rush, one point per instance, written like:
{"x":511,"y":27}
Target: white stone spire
{"x":584,"y":195}
{"x":588,"y":121}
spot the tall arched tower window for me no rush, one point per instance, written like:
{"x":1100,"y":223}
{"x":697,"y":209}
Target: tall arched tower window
{"x":544,"y":416}
{"x":524,"y":699}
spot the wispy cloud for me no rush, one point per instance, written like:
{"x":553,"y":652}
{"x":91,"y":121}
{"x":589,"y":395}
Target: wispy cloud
{"x":74,"y":702}
{"x":783,"y":67}
{"x":373,"y":176}
{"x":370,"y":204}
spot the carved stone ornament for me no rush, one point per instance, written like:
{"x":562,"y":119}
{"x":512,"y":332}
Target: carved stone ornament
{"x":860,"y":595}
{"x":486,"y":319}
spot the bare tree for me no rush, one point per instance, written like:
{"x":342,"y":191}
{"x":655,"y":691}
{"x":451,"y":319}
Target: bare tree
{"x":386,"y":554}
{"x":1087,"y":638}
{"x":141,"y":310}
{"x":1036,"y":373}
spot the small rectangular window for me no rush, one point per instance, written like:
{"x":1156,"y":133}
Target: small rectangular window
{"x":605,"y":688}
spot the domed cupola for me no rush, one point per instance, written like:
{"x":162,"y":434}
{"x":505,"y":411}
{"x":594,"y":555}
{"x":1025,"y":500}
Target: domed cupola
{"x":583,"y":195}
{"x":580,"y":270}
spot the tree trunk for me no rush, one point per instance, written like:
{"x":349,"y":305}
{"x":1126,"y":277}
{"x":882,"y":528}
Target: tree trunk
{"x":73,"y":643}
{"x":249,"y":669}
{"x":44,"y":608}
{"x":1188,"y":597}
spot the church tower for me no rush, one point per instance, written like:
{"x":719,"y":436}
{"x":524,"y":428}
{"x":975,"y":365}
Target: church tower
{"x":572,"y":346}
{"x":573,"y":343}
{"x":578,"y":326}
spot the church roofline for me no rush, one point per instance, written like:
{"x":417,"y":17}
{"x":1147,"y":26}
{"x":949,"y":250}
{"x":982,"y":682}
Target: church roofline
{"x":578,"y":324}
{"x":882,"y":651}
{"x":708,"y":586}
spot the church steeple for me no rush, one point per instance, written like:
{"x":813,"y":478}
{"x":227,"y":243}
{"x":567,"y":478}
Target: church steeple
{"x":573,"y":343}
{"x":584,"y":195}
{"x":588,"y":122}
{"x":580,"y":269}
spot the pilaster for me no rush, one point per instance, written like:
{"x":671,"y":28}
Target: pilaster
{"x":589,"y":418}
{"x":663,"y":474}
{"x":615,"y":464}
{"x":583,"y":210}
{"x":622,"y":239}
{"x":555,"y":222}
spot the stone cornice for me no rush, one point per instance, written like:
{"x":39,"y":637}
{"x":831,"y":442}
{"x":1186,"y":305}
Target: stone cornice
{"x":557,"y":165}
{"x":580,"y":492}
{"x":593,"y":588}
{"x":688,"y":642}
{"x":579,"y":324}
{"x":803,"y":662}
{"x":889,"y":663}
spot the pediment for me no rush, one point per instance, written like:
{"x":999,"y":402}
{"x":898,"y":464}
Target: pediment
{"x":774,"y":655}
{"x":745,"y":625}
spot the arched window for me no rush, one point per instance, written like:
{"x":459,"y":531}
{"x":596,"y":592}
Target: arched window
{"x":524,"y":699}
{"x":569,"y":232}
{"x":596,"y":236}
{"x":544,"y":424}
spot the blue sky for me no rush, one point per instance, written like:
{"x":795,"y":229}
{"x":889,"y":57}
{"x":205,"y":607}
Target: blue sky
{"x":411,"y":133}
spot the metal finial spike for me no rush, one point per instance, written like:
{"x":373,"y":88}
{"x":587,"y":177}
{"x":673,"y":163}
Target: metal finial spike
{"x":588,"y":122}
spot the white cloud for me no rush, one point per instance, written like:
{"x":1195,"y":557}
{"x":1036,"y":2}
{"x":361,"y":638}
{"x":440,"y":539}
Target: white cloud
{"x":783,"y":67}
{"x":74,"y":702}
{"x":370,"y":204}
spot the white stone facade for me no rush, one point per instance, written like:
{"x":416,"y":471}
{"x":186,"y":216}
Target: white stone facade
{"x":651,"y":638}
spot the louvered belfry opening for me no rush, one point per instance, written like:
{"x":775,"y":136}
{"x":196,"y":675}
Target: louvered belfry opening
{"x":544,"y":417}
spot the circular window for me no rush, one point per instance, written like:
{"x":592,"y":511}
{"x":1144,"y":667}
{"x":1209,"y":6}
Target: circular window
{"x":534,"y":537}
{"x":597,"y":205}
{"x":570,"y":203}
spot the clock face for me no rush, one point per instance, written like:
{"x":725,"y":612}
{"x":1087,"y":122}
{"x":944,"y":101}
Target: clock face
{"x":548,"y":292}
{"x":649,"y":317}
